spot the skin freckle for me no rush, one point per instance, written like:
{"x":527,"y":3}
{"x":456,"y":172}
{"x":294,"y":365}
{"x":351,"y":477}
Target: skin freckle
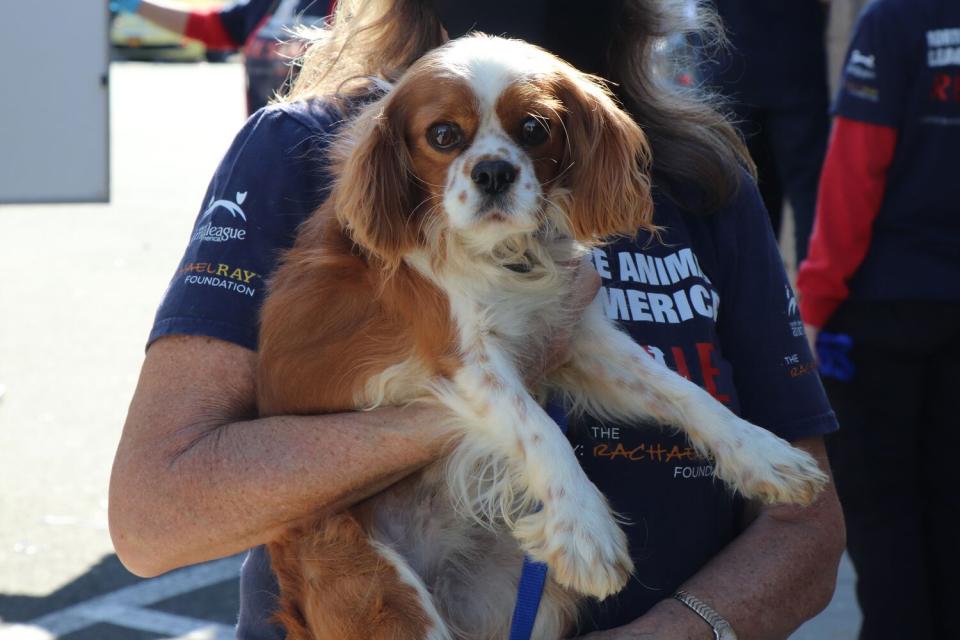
{"x":462,"y":197}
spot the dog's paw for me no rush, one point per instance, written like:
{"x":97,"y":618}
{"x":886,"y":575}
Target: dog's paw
{"x":581,"y":543}
{"x":767,"y":468}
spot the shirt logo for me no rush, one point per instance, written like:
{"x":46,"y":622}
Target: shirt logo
{"x":674,"y":289}
{"x":862,"y":66}
{"x":232,"y":207}
{"x":857,"y":58}
{"x":209,"y":232}
{"x":792,"y":308}
{"x":943,"y":48}
{"x":793,"y":311}
{"x":222,"y":276}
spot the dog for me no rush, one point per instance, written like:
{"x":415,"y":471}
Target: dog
{"x":436,"y":271}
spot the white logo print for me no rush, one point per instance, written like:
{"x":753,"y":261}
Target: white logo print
{"x":209,"y":232}
{"x":791,"y":301}
{"x":793,"y":311}
{"x":862,"y":59}
{"x":233,"y":208}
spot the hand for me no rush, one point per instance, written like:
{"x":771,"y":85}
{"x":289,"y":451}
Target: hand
{"x":812,"y":333}
{"x":586,"y":283}
{"x":125,"y":6}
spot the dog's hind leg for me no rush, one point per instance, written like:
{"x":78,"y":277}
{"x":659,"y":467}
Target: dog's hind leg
{"x":611,"y":377}
{"x":336,"y":583}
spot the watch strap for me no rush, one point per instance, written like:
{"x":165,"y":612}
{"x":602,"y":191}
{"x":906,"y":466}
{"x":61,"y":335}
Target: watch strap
{"x":721,"y":628}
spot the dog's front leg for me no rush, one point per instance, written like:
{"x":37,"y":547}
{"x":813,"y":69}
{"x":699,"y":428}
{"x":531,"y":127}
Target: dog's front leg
{"x":574,"y":532}
{"x":612,"y":377}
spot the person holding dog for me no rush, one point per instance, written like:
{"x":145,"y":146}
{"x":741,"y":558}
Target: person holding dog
{"x":198,"y":475}
{"x":880,"y":287}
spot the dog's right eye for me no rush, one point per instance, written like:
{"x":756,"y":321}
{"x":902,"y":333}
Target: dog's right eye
{"x":444,"y":136}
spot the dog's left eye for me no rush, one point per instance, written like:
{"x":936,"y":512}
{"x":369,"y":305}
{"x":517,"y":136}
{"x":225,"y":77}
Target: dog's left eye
{"x":444,"y":136}
{"x":534,"y":131}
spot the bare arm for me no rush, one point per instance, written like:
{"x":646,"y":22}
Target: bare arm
{"x":778,"y":573}
{"x":197,"y":477}
{"x":171,"y":16}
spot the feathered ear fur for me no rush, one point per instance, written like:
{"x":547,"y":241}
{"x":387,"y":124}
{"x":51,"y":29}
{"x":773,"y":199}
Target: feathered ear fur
{"x":374,"y":194}
{"x":609,"y":163}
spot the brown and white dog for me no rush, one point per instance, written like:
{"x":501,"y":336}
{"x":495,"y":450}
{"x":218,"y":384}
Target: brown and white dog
{"x":436,"y":271}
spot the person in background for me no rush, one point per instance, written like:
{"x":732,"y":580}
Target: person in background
{"x":773,"y":74}
{"x":881,"y":286}
{"x":237,"y":25}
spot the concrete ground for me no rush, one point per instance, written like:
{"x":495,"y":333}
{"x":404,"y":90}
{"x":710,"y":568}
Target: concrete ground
{"x":78,"y":288}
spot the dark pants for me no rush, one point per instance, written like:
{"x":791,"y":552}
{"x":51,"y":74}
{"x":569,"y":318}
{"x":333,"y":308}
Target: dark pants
{"x":894,"y":460}
{"x":788,"y":145}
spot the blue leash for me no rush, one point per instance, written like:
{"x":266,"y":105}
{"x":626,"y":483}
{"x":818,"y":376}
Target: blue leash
{"x":533,"y":576}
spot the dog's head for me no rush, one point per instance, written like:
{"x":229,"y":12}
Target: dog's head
{"x":487,"y":138}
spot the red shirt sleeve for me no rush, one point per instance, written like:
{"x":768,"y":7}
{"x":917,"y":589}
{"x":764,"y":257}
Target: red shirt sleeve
{"x":852,"y":186}
{"x":207,"y":27}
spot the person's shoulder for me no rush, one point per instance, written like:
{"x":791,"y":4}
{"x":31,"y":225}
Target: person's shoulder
{"x":689,"y":198}
{"x":896,"y":15}
{"x":317,"y":116}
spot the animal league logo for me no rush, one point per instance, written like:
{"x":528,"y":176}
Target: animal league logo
{"x":860,"y":75}
{"x":861,"y":65}
{"x":207,"y":231}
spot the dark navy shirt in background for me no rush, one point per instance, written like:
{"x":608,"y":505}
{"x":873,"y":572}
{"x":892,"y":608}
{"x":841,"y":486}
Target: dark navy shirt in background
{"x":241,"y":18}
{"x":776,"y":56}
{"x":903,"y":71}
{"x":710,"y":300}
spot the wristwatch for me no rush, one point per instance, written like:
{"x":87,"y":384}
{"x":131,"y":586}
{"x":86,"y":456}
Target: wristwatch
{"x":721,"y":628}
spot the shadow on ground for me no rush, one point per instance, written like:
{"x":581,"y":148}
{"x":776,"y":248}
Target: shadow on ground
{"x":216,"y":603}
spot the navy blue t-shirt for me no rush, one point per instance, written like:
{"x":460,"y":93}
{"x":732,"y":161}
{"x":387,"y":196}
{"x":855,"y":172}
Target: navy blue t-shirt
{"x":709,"y":299}
{"x":241,"y":18}
{"x":903,"y":71}
{"x":776,"y":56}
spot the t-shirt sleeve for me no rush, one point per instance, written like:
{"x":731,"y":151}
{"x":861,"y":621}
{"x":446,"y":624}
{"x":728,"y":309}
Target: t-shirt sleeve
{"x":271,"y":179}
{"x":875,"y":82}
{"x":760,"y":330}
{"x":241,"y":18}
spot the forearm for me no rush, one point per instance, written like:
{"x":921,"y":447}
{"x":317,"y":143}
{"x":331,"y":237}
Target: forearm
{"x":778,"y":573}
{"x":241,"y":484}
{"x":171,"y":16}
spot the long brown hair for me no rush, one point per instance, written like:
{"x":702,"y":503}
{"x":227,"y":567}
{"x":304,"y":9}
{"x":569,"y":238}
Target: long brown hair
{"x":693,"y":143}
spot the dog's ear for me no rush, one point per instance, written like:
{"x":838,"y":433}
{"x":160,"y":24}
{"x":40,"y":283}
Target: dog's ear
{"x":607,"y":163}
{"x":374,"y":193}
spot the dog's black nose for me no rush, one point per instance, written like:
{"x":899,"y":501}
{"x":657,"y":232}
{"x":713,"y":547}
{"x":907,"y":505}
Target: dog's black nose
{"x":493,"y":176}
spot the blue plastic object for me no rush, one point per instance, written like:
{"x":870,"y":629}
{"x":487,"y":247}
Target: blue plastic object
{"x":125,"y":6}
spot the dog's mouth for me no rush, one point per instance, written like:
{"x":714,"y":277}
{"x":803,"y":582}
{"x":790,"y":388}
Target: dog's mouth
{"x":495,"y":211}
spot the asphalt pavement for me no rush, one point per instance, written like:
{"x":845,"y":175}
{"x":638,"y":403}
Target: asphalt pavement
{"x":79,"y":285}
